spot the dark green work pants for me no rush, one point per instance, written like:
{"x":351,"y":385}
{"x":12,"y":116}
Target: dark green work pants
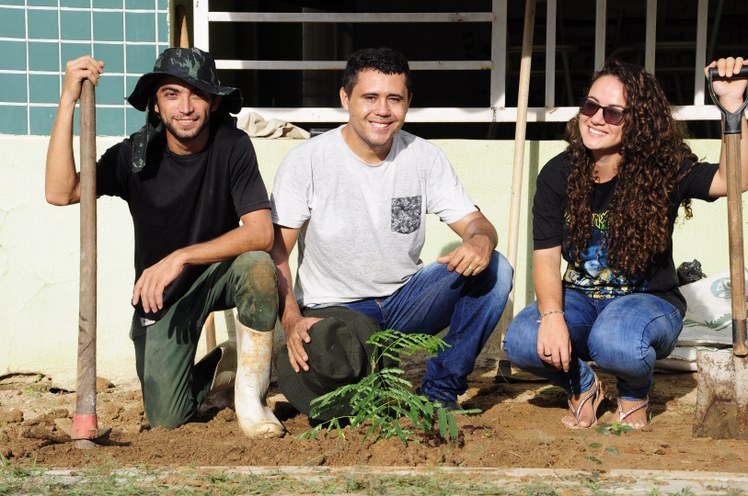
{"x":172,"y":385}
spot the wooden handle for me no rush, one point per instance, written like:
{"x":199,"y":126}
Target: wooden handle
{"x":519,"y":147}
{"x":735,"y":229}
{"x":183,"y":30}
{"x":86,"y":393}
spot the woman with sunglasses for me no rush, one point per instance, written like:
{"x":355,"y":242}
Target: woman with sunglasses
{"x":607,"y":206}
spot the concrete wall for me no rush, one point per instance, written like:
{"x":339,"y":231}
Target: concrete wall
{"x":39,"y":248}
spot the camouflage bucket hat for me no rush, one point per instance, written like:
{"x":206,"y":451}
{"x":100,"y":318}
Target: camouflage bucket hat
{"x":193,"y":66}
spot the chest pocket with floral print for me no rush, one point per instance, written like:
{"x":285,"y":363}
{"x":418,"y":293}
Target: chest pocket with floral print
{"x":406,"y":214}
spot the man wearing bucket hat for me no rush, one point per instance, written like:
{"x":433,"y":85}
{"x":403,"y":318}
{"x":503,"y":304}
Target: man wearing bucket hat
{"x":189,"y":177}
{"x":355,"y":199}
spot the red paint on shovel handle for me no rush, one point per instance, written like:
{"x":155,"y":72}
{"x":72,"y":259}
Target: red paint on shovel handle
{"x":85,"y":427}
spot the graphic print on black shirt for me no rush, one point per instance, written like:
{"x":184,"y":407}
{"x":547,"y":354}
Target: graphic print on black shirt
{"x":594,"y":277}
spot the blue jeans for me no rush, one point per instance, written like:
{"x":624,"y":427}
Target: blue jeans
{"x":435,"y":298}
{"x":623,"y":335}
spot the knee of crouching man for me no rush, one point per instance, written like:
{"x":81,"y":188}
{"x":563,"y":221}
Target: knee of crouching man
{"x":257,"y":294}
{"x":504,"y":269}
{"x":499,"y":274}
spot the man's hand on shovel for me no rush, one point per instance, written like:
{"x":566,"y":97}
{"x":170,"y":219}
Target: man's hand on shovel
{"x":76,"y":71}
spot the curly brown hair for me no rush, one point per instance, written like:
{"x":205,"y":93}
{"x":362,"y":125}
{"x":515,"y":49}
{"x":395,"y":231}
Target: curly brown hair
{"x":652,"y":153}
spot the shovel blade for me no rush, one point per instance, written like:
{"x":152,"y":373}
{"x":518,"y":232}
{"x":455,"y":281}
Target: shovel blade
{"x":81,"y":439}
{"x":722,"y":395}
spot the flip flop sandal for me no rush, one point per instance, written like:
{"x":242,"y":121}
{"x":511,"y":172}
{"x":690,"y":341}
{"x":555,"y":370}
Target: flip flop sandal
{"x":623,"y":415}
{"x":596,"y":395}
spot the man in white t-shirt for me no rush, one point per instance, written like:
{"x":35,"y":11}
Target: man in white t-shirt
{"x":355,"y":199}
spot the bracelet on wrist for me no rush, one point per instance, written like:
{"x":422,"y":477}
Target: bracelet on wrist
{"x":546,"y":314}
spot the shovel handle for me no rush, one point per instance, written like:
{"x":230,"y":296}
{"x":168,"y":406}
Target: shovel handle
{"x":85,"y":405}
{"x":731,"y":120}
{"x":735,"y":231}
{"x":732,"y":125}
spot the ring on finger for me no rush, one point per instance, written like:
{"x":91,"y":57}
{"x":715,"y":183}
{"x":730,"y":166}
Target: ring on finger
{"x":547,"y":354}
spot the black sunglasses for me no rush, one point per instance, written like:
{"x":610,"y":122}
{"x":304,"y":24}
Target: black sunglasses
{"x":612,"y":115}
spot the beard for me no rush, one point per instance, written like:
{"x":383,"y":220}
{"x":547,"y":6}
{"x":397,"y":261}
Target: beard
{"x":186,"y":135}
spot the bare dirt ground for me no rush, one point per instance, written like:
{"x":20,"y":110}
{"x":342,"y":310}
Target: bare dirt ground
{"x":519,"y":426}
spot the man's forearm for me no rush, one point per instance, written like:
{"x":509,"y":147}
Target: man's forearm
{"x":283,"y":243}
{"x":151,"y":283}
{"x":289,"y":308}
{"x":482,"y":227}
{"x":239,"y":240}
{"x":61,"y":185}
{"x":61,"y":182}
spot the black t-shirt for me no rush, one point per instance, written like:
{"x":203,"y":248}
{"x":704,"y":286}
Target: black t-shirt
{"x":593,"y":276}
{"x":181,"y":200}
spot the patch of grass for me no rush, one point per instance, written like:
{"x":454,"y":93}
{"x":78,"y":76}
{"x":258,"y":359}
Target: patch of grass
{"x":106,"y":481}
{"x":538,"y":489}
{"x":600,"y":450}
{"x":683,"y":492}
{"x":614,"y":428}
{"x":12,"y":477}
{"x":32,"y":391}
{"x":593,"y":485}
{"x":187,"y":482}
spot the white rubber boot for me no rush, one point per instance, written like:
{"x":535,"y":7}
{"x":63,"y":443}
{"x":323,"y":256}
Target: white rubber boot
{"x":254,"y":351}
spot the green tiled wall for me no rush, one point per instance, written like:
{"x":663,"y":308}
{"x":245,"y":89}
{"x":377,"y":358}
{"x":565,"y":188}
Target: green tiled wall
{"x":37,"y":38}
{"x":43,"y":24}
{"x":14,"y":55}
{"x":107,"y":26}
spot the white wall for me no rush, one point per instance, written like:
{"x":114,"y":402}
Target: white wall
{"x":39,"y":249}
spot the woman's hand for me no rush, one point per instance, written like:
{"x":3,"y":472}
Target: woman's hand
{"x":554,"y":345}
{"x":730,"y":92}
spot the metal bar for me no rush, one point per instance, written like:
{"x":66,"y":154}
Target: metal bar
{"x":650,"y":43}
{"x":497,"y":95}
{"x":601,"y":18}
{"x":295,"y":65}
{"x":699,"y":84}
{"x":496,"y":111}
{"x":715,"y":29}
{"x":350,"y":17}
{"x":462,"y":114}
{"x":200,"y":22}
{"x":550,"y":54}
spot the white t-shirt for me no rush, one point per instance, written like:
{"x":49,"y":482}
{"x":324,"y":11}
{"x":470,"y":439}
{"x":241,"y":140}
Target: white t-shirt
{"x":361,"y":226}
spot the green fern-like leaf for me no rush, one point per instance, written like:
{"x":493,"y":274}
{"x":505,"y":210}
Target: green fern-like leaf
{"x":442,"y":422}
{"x":384,"y":397}
{"x":391,"y":344}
